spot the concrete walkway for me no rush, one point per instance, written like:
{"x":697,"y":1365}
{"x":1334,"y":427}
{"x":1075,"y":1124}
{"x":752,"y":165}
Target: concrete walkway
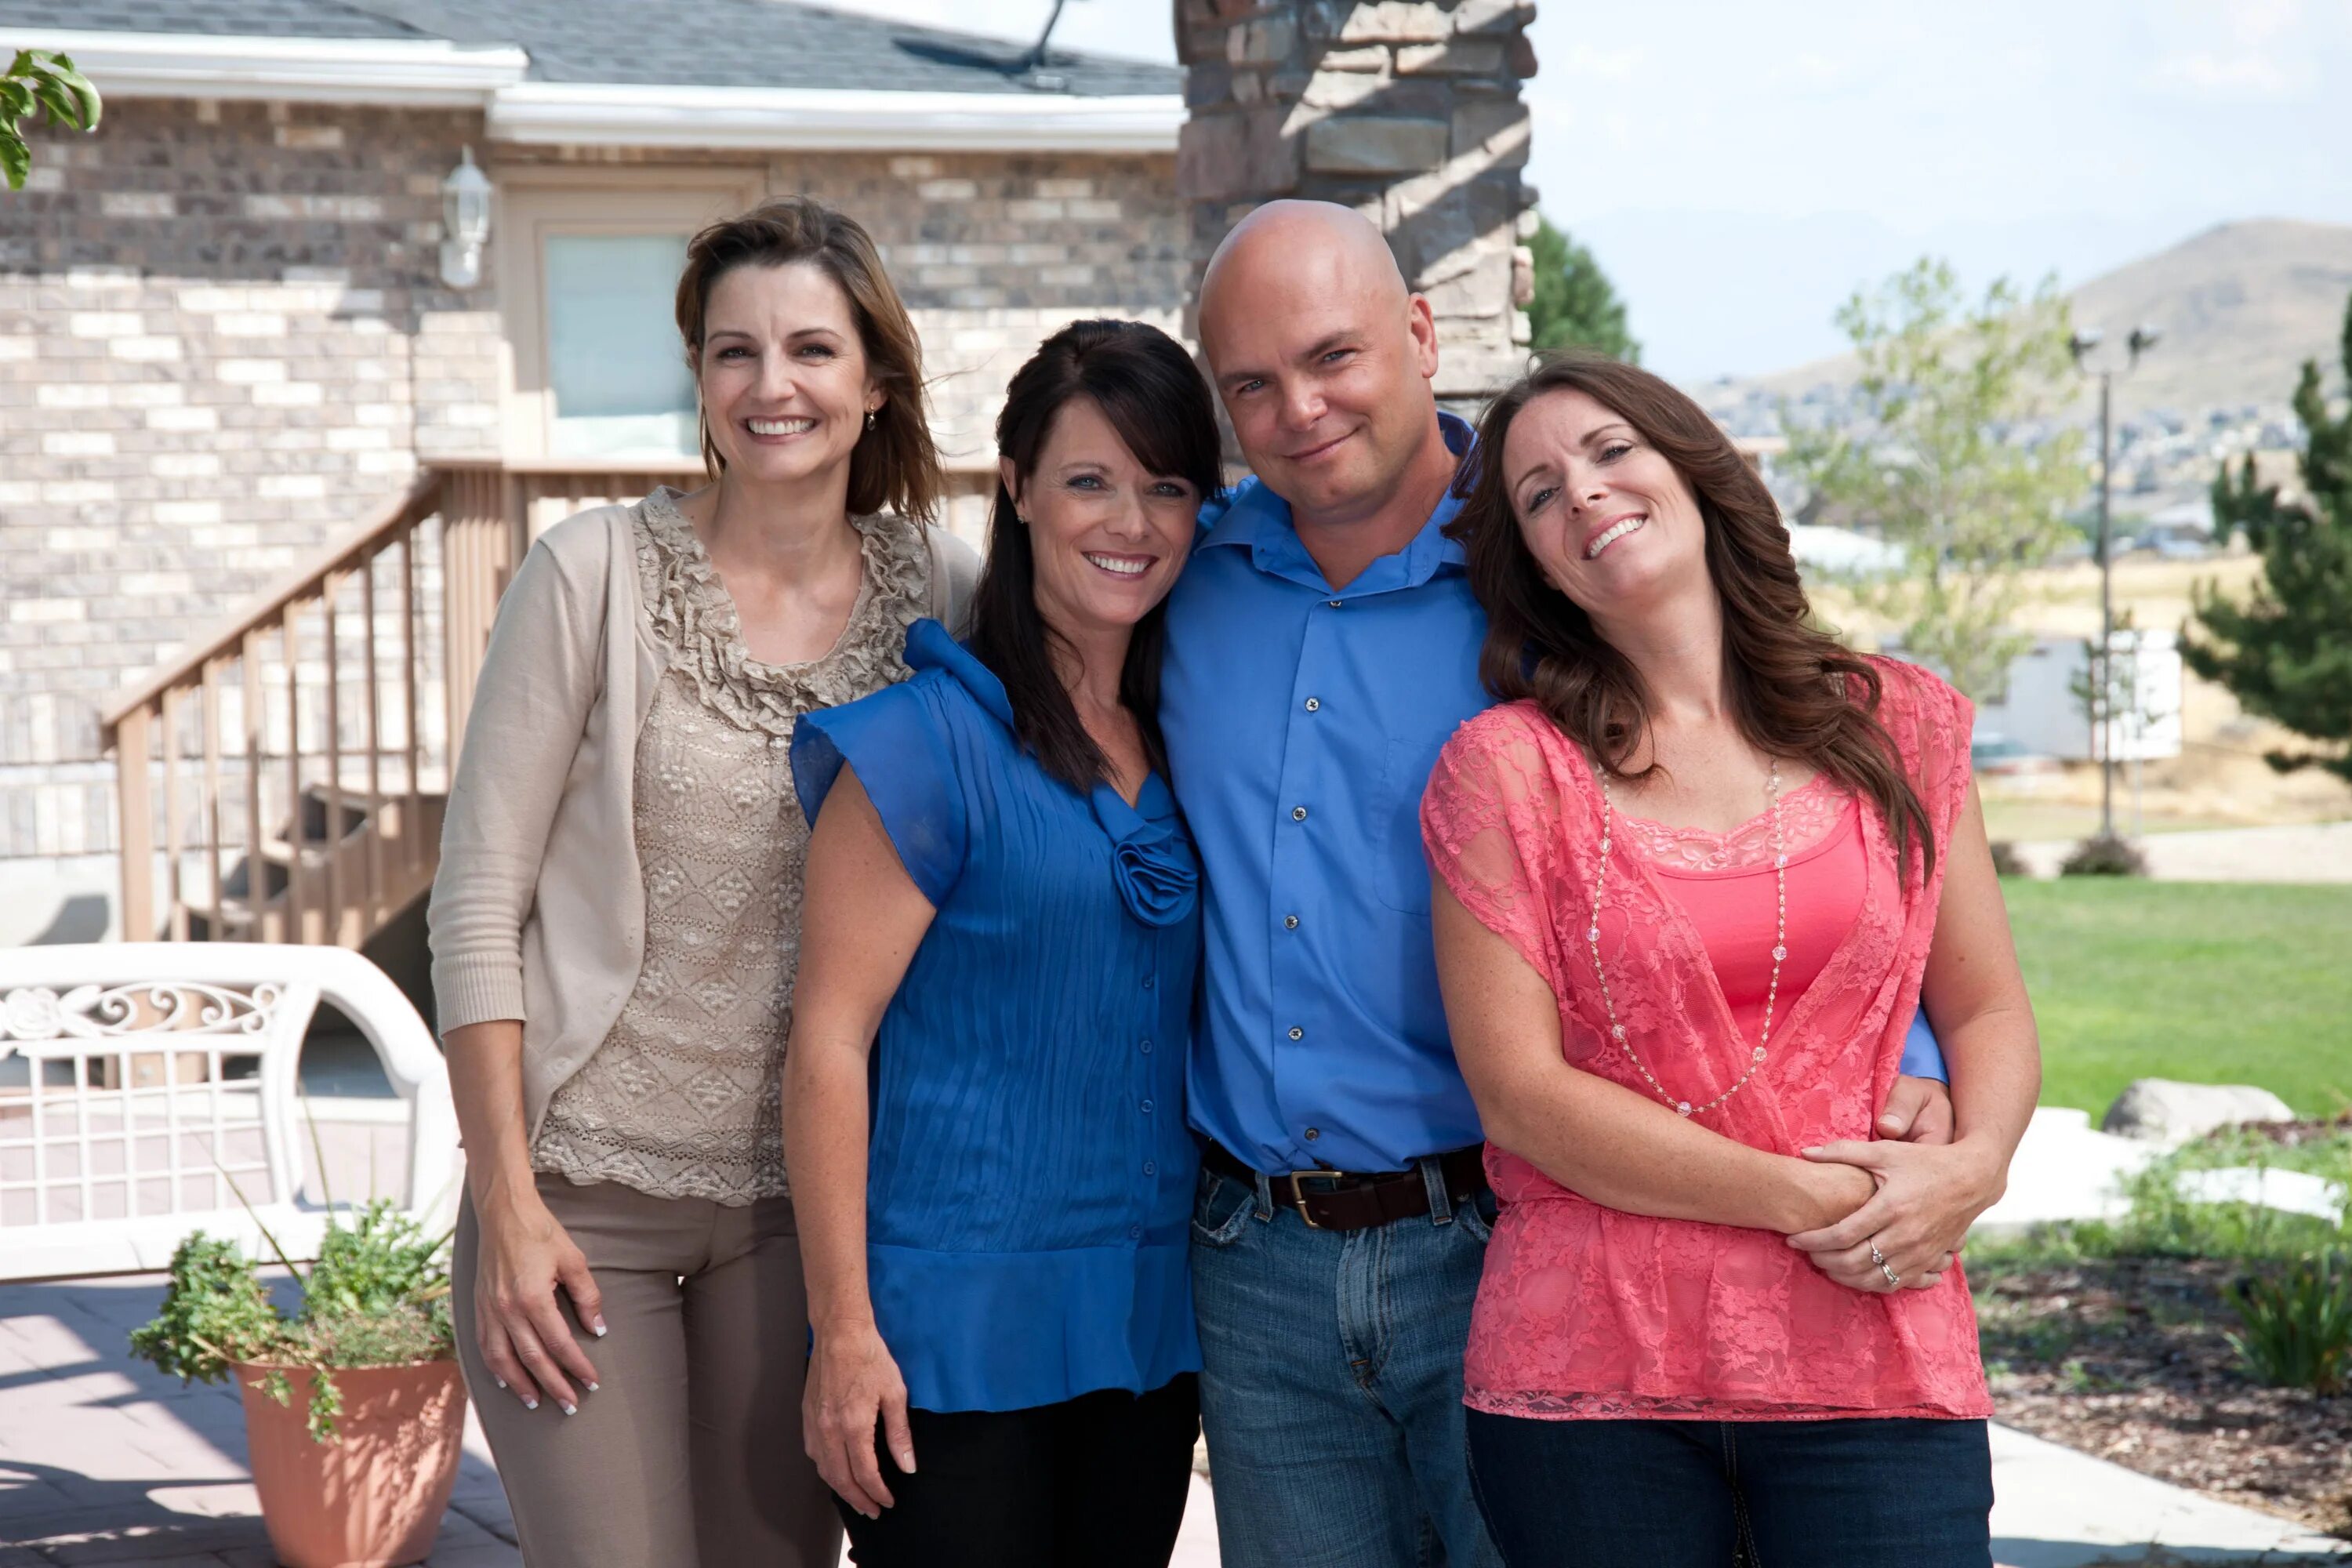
{"x":2312,"y":852}
{"x":104,"y":1460}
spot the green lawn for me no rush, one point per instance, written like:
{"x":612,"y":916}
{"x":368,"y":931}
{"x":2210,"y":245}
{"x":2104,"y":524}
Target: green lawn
{"x":2213,"y":983}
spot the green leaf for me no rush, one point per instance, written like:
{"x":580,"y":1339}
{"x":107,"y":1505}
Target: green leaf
{"x":86,"y":107}
{"x":16,"y":158}
{"x":15,"y":101}
{"x":56,"y":99}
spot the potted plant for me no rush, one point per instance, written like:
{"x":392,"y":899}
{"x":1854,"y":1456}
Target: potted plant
{"x":353,"y":1413}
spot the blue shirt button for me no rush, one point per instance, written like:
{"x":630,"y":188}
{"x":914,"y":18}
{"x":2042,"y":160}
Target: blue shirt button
{"x":1298,"y":813}
{"x":1150,"y":981}
{"x":1296,"y":1033}
{"x":1147,"y":1048}
{"x":1290,"y":923}
{"x":1135,"y":1232}
{"x":1151,"y":1167}
{"x":1147,"y":1108}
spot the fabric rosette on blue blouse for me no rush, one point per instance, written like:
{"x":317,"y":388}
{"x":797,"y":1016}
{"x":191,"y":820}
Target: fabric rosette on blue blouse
{"x":1157,"y":875}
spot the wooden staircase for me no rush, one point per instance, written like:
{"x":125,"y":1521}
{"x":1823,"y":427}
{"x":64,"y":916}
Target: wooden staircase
{"x":283,"y":780}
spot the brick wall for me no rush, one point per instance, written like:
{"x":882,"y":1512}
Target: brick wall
{"x":224,"y":342}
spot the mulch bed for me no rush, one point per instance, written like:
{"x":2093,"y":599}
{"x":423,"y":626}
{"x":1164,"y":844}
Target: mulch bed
{"x":2125,"y":1360}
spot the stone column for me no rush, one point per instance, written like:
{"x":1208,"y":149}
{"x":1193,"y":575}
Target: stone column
{"x":1409,"y":111}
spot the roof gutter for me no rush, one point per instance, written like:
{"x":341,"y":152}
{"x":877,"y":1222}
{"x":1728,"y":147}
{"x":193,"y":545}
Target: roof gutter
{"x":418,"y":73}
{"x":544,"y":113}
{"x":434,"y":73}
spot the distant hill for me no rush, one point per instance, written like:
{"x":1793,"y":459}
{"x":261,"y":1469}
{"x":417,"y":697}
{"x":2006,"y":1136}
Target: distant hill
{"x":2240,"y":305}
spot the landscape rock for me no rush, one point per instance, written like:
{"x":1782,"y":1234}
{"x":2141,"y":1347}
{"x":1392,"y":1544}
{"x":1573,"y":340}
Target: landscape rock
{"x":2161,"y":1111}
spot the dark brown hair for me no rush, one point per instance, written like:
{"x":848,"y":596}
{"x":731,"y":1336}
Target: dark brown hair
{"x":1796,"y":692}
{"x":895,"y":467}
{"x":1152,"y":394}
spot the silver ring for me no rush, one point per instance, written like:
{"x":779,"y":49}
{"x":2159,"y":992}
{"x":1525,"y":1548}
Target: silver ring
{"x":1877,"y":1256}
{"x":1892,"y":1278}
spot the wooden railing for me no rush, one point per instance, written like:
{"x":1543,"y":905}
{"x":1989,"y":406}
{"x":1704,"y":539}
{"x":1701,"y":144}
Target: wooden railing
{"x":290,"y":766}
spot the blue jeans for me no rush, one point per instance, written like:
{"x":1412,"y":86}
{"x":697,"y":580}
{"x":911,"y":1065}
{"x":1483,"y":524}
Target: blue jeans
{"x":1859,"y":1492}
{"x":1331,"y":1382}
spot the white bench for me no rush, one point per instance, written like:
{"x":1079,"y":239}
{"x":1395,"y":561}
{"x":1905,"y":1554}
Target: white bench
{"x":148,"y":1089}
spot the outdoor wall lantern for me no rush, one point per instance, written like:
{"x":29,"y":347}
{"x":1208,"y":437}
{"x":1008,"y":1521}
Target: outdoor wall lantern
{"x":465,"y":223}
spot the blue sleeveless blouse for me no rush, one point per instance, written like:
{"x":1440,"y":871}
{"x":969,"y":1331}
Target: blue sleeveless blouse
{"x":1031,"y":1179}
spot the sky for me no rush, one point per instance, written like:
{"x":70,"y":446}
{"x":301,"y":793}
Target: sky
{"x":1739,"y":169}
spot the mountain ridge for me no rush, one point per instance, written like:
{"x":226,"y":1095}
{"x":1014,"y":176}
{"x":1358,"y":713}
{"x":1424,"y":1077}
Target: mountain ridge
{"x":2240,"y":305}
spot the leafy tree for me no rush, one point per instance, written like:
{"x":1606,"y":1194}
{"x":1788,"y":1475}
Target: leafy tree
{"x":2286,"y":652}
{"x":1574,"y":304}
{"x":1937,"y":447}
{"x":38,"y":80}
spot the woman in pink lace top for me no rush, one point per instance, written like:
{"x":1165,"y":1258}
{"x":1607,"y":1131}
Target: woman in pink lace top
{"x":1691,"y":876}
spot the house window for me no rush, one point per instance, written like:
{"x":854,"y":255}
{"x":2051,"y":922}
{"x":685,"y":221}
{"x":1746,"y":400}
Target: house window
{"x":616,"y":378}
{"x":588,"y":266}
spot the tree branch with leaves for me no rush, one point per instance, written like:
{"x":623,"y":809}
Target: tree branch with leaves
{"x":39,"y":83}
{"x":1944,"y":448}
{"x":2286,"y":651}
{"x":1575,"y":306}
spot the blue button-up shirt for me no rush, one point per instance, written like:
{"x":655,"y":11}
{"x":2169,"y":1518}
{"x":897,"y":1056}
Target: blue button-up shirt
{"x":1302,"y":723}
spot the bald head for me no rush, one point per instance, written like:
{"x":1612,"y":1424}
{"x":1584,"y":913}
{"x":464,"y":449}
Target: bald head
{"x":1323,"y":359}
{"x":1294,"y":250}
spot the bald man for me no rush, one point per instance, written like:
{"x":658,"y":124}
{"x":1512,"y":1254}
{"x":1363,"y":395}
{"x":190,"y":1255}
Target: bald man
{"x":1322,"y":645}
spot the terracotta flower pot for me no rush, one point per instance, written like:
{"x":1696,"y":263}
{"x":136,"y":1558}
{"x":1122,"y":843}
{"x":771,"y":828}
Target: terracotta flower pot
{"x":374,"y":1498}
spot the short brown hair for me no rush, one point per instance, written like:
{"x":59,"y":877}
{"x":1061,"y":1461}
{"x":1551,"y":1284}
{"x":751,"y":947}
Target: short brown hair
{"x":895,"y":466}
{"x":1796,"y":691}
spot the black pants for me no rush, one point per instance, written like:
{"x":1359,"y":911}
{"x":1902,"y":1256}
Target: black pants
{"x":1865,"y":1492}
{"x":1098,"y":1481}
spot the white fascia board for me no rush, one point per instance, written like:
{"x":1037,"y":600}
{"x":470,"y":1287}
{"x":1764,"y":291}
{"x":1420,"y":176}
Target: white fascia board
{"x":423,"y":72}
{"x":543,"y":113}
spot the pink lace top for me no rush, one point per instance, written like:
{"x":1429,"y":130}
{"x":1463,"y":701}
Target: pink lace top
{"x":1590,"y":1312}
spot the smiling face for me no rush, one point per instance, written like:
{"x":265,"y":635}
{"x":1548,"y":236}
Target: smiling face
{"x":1322,"y":355}
{"x":784,"y":375}
{"x":1611,"y":521}
{"x":1108,"y":538}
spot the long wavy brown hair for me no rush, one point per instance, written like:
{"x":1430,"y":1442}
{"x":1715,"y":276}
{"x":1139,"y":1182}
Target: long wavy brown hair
{"x":1795,"y":692}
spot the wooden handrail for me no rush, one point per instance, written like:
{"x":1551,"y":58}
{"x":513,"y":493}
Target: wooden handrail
{"x":360,"y":805}
{"x":307,"y":581}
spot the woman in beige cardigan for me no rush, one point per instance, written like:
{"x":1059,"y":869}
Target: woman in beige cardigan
{"x":616,"y":925}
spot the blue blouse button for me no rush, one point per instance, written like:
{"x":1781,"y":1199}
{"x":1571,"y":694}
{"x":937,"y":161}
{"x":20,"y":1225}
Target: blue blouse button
{"x":1135,"y":1232}
{"x":1151,"y":1167}
{"x":1147,"y":1048}
{"x":1147,"y":1108}
{"x":1149,"y":982}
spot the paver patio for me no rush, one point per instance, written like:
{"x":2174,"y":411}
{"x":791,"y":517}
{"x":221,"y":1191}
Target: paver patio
{"x":104,"y":1460}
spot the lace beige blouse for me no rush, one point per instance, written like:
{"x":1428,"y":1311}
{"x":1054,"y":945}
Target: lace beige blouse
{"x":681,"y":1100}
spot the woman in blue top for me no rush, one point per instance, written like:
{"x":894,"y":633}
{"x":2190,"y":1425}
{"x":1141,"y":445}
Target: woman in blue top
{"x":997,"y":952}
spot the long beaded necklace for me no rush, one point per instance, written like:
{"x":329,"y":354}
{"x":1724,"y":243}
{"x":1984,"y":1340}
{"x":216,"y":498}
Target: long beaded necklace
{"x":1780,"y":945}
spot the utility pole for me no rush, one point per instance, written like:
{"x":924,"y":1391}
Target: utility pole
{"x":2085,"y":338}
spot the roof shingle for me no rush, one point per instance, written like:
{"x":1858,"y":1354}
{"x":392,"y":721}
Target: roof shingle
{"x":712,"y":43}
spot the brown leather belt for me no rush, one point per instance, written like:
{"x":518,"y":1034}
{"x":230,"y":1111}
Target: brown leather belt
{"x":1347,"y":1200}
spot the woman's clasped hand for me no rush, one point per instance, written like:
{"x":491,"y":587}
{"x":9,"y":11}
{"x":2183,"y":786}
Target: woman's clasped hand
{"x":1909,"y":1228}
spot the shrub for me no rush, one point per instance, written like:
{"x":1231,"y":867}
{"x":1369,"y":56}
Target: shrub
{"x":2005,"y":861}
{"x":2295,"y":1329}
{"x":378,"y":1296}
{"x":2104,"y":855}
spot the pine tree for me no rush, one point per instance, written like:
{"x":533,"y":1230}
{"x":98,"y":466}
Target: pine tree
{"x":1574,"y":304}
{"x":2286,"y":651}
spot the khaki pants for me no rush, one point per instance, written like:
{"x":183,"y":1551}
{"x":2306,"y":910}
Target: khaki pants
{"x":690,"y":1452}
